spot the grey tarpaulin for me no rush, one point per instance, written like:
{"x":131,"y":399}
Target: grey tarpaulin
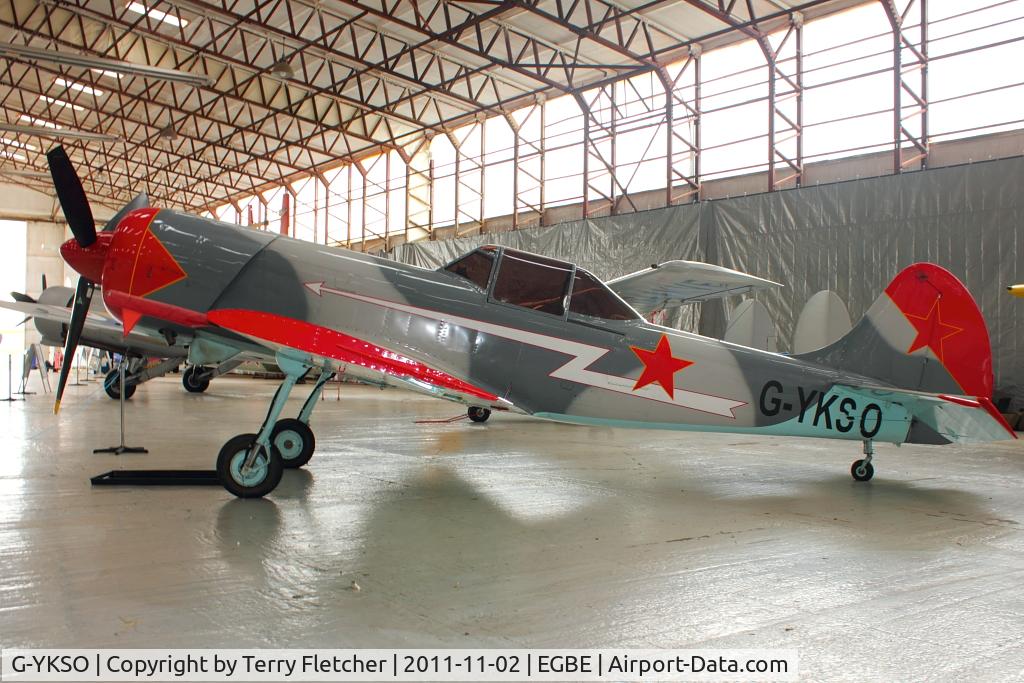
{"x":850,"y":237}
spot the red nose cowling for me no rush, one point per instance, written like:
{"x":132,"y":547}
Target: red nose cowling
{"x":87,"y":261}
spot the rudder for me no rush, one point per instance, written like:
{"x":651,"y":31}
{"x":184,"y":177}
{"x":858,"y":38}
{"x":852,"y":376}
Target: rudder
{"x":924,"y":333}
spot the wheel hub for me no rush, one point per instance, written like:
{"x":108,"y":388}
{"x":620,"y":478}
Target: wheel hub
{"x":289,"y":444}
{"x":248,"y":476}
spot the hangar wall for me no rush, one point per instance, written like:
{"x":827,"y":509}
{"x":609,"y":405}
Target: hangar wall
{"x":851,"y":237}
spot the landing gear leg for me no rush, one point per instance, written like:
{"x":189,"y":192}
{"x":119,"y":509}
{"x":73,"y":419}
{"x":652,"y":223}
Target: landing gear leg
{"x":862,"y":470}
{"x":248,"y":466}
{"x":293,"y":438}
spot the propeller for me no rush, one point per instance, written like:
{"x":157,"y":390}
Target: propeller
{"x":72,"y":197}
{"x":83,"y":297}
{"x":76,"y":209}
{"x":44,"y":283}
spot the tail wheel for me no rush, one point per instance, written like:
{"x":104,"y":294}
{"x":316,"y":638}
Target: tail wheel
{"x":112,"y":385}
{"x":254,"y":482}
{"x":478,"y":414}
{"x":294,"y":442}
{"x":191,"y":381}
{"x":862,"y":470}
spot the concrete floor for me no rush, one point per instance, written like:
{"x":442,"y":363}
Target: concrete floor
{"x":514,"y":533}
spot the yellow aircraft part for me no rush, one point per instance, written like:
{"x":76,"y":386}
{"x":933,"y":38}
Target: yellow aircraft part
{"x":1016,"y":290}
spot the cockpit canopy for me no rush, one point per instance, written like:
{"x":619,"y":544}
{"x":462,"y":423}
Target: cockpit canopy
{"x":539,"y":283}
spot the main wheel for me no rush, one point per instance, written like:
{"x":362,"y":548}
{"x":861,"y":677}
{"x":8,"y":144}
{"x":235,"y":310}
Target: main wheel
{"x":191,"y":381}
{"x":259,"y":480}
{"x":862,"y":470}
{"x":112,"y":385}
{"x":294,"y":441}
{"x":479,"y":414}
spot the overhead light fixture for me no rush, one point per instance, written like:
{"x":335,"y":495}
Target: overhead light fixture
{"x":282,"y":69}
{"x":60,"y":103}
{"x":80,"y":87}
{"x":34,"y":121}
{"x":139,"y":8}
{"x":12,"y":155}
{"x":45,"y":129}
{"x":107,"y":72}
{"x":167,"y":133}
{"x":21,"y":145}
{"x":26,"y":52}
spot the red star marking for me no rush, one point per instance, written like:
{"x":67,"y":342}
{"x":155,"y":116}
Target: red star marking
{"x":931,"y":331}
{"x":659,"y":366}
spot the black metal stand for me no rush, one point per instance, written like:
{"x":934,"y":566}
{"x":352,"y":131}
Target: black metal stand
{"x":157,"y":478}
{"x":10,"y":396}
{"x":121,"y":448}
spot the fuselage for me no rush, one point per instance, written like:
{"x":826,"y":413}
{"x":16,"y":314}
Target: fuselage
{"x":288,"y":296}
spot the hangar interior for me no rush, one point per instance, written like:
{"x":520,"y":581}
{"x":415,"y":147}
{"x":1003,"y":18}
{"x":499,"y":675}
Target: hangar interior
{"x":822,"y":145}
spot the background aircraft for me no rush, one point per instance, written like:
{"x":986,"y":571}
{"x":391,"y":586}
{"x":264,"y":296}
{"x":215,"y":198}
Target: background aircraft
{"x":51,"y":314}
{"x":504,"y":329}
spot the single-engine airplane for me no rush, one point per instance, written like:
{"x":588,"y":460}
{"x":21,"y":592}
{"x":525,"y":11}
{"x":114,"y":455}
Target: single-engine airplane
{"x":504,"y":329}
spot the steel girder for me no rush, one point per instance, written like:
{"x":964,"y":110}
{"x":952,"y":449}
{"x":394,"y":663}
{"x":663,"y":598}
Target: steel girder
{"x":361,"y":87}
{"x":910,"y":83}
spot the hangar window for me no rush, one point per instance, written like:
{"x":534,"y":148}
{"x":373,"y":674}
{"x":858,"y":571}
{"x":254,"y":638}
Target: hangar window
{"x":475,"y":266}
{"x":592,"y":297}
{"x":533,"y":282}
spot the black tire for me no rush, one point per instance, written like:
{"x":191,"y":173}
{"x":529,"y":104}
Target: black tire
{"x":293,"y":440}
{"x":862,"y":471}
{"x":112,"y":385}
{"x":190,"y":380}
{"x":229,"y":460}
{"x":478,"y":414}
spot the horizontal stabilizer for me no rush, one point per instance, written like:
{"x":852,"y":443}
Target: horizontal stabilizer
{"x":942,"y":418}
{"x":674,"y":283}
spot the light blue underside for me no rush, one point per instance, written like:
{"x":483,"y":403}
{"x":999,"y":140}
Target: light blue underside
{"x":895,"y":423}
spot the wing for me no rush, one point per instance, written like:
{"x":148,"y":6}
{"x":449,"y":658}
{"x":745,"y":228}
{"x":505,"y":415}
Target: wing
{"x":367,"y":362}
{"x":679,"y":282}
{"x":59,"y":314}
{"x":100,"y":331}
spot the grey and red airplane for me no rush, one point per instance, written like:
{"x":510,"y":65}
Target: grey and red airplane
{"x":508,"y":330}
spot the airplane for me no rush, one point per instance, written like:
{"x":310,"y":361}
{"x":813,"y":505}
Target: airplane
{"x":51,"y":313}
{"x":502,"y":329}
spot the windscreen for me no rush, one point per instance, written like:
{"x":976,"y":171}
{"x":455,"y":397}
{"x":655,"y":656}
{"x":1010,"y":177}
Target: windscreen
{"x":592,"y":297}
{"x":533,"y":282}
{"x":475,"y":266}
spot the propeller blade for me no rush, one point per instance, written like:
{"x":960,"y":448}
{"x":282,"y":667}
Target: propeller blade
{"x":23,"y":321}
{"x":72,"y":197}
{"x":44,"y":282}
{"x":83,"y":297}
{"x":23,"y":298}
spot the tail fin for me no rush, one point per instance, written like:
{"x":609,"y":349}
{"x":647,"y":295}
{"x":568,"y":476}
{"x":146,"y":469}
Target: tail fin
{"x":924,"y":333}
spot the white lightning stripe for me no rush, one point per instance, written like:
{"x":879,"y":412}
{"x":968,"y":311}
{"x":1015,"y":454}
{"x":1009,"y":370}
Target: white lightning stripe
{"x":582,"y":356}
